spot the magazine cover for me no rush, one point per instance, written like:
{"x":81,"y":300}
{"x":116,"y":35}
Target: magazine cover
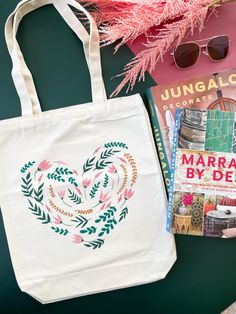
{"x":202,"y":199}
{"x":213,"y":92}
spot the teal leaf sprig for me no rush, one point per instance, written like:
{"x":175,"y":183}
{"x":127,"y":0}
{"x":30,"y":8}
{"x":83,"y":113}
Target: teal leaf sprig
{"x":89,"y":230}
{"x":116,"y":144}
{"x":88,"y":164}
{"x":94,"y":189}
{"x":123,"y":214}
{"x":81,"y":221}
{"x":27,"y":188}
{"x":108,"y":227}
{"x":39,"y":213}
{"x":63,"y":171}
{"x":95,"y":244}
{"x":38,"y":194}
{"x":73,"y":181}
{"x":60,"y":231}
{"x":27,"y":166}
{"x":55,"y":176}
{"x":106,"y":215}
{"x":106,"y":181}
{"x":74,"y":197}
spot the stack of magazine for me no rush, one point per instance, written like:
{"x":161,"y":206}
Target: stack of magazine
{"x":194,"y":124}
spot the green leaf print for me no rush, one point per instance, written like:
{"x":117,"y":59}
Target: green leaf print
{"x":88,"y":165}
{"x":27,"y":188}
{"x":95,"y":244}
{"x":39,"y":213}
{"x":74,"y":197}
{"x":94,"y":189}
{"x":123,"y":214}
{"x":116,"y":144}
{"x":89,"y":230}
{"x":81,"y":221}
{"x":27,"y":166}
{"x":63,"y":232}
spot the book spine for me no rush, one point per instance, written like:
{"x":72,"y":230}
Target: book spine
{"x":172,"y":173}
{"x":161,"y":151}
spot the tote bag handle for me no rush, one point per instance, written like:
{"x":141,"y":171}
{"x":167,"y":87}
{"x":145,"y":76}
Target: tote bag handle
{"x":21,"y":75}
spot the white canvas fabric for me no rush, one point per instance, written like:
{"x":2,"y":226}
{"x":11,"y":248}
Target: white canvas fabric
{"x":81,"y":190}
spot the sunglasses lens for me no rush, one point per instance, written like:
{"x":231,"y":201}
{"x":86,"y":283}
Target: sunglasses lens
{"x":186,"y":55}
{"x":218,"y":48}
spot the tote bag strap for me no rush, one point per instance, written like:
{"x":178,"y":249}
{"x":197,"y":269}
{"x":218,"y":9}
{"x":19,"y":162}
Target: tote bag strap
{"x":21,"y":75}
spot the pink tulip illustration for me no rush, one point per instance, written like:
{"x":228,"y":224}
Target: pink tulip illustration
{"x":86,"y":184}
{"x":57,"y":220}
{"x":103,"y":206}
{"x":78,"y":238}
{"x":103,"y":198}
{"x":128,"y":193}
{"x":108,"y":205}
{"x":43,"y":166}
{"x":120,"y":198}
{"x":112,"y":169}
{"x":62,"y":194}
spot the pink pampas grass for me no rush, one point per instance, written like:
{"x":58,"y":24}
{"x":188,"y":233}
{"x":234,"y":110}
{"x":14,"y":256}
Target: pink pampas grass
{"x":121,"y":21}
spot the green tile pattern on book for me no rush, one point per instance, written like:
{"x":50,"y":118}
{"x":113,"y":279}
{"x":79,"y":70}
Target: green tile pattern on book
{"x":219,"y":132}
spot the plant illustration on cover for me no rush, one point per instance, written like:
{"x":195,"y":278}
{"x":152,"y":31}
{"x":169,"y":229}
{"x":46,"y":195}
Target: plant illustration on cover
{"x":85,"y":204}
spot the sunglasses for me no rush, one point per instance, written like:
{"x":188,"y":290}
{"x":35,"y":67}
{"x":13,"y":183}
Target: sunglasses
{"x":187,"y":54}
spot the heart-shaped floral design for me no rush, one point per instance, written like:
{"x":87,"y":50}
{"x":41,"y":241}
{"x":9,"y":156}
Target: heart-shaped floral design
{"x":86,"y":204}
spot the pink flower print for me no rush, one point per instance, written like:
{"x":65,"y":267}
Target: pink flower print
{"x":103,"y":206}
{"x":85,"y":183}
{"x":62,"y":194}
{"x":128,"y":193}
{"x":108,"y":205}
{"x":187,"y":199}
{"x":78,"y":238}
{"x":103,"y":198}
{"x":57,"y":220}
{"x":112,"y":169}
{"x":120,"y":198}
{"x":44,"y":165}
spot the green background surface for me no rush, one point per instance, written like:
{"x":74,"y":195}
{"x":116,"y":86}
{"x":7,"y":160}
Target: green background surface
{"x":203,"y":280}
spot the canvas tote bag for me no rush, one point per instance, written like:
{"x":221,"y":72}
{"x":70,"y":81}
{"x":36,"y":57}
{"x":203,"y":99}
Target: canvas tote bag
{"x":81,"y":190}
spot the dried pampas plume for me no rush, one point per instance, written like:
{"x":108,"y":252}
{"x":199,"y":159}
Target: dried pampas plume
{"x":120,"y":21}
